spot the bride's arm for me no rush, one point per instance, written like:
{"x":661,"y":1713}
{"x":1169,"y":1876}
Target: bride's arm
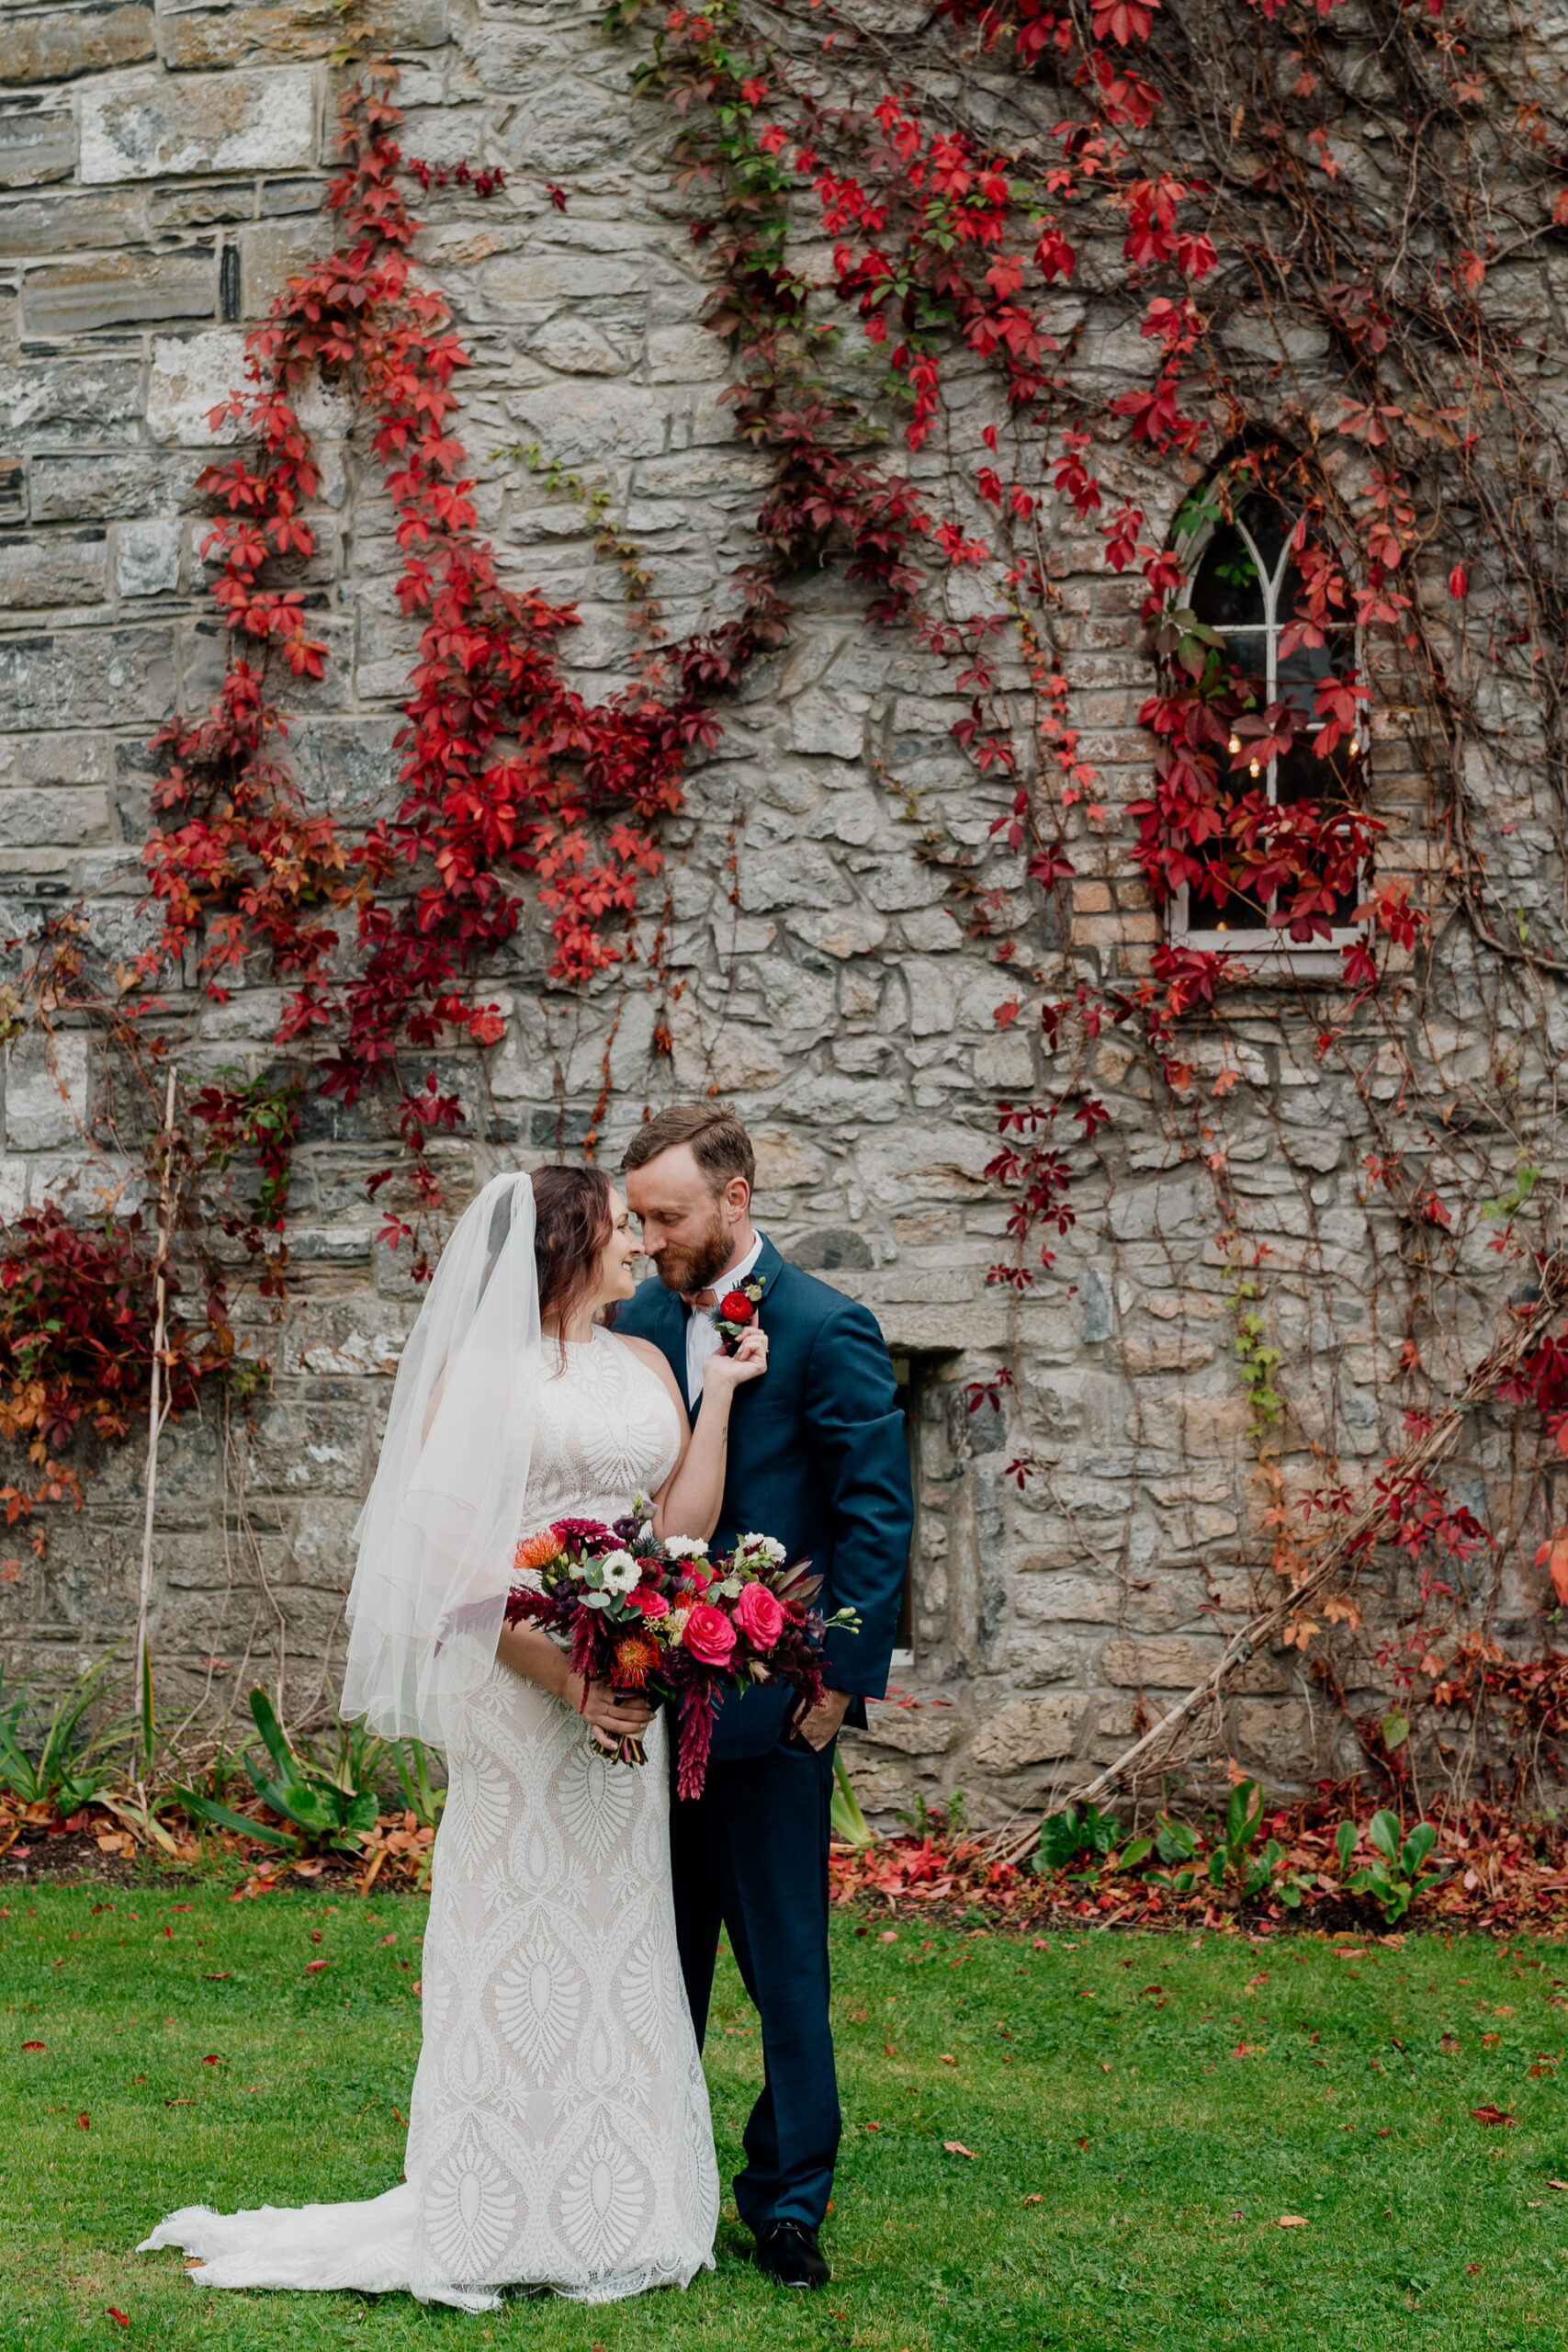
{"x":688,"y":1503}
{"x":612,"y":1714}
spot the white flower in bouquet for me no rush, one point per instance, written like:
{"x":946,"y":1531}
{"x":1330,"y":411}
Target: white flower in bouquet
{"x":766,"y":1546}
{"x":686,"y":1547}
{"x":620,"y":1572}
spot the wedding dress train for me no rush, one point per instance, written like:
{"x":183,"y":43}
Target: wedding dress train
{"x":559,"y":2134}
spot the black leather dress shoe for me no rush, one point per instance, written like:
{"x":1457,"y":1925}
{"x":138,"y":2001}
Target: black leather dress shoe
{"x":788,"y":2252}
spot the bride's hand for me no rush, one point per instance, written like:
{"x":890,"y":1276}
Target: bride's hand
{"x":750,"y":1362}
{"x":613,"y":1714}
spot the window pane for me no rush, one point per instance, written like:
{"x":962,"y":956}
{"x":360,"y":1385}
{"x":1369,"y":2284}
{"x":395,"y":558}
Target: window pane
{"x":1271,"y":525}
{"x":1227,"y":592}
{"x":1300,"y":774}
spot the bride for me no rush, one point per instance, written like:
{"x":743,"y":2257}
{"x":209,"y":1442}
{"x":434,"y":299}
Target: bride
{"x":559,"y":2134}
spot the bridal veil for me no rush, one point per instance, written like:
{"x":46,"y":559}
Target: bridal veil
{"x":439,"y":1529}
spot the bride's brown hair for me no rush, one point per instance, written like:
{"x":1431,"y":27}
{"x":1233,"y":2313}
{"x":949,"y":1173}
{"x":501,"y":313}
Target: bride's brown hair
{"x":572,"y":1225}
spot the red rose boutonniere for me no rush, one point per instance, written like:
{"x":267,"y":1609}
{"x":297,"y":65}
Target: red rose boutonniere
{"x":738,"y":1312}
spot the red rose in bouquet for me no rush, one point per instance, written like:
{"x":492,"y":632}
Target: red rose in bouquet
{"x":759,"y":1615}
{"x":667,"y":1621}
{"x":708,"y":1634}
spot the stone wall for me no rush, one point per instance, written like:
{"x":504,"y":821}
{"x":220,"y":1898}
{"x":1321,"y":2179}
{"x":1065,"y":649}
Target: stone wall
{"x":164,"y":168}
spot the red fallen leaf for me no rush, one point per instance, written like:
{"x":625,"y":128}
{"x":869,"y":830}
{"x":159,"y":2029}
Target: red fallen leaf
{"x":214,"y":2061}
{"x":118,"y":2318}
{"x":182,"y":1907}
{"x":35,"y":2045}
{"x":957,"y":2148}
{"x":1494,"y":2115}
{"x":311,"y":1966}
{"x":389,"y":1940}
{"x":84,"y":2122}
{"x":222,"y":1979}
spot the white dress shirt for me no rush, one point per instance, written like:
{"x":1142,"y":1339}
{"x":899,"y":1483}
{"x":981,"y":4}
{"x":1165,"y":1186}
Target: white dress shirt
{"x":702,"y":1340}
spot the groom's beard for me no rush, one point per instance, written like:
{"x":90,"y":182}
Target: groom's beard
{"x":696,"y":1265}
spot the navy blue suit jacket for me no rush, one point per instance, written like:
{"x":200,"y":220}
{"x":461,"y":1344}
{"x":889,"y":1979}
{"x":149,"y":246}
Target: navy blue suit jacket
{"x":817,"y":1458}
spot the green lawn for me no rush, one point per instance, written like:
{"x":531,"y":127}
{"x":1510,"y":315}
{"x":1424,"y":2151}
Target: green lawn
{"x":1166,"y":2101}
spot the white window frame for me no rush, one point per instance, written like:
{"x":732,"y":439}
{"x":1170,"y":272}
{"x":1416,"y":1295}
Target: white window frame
{"x":1262,"y":950}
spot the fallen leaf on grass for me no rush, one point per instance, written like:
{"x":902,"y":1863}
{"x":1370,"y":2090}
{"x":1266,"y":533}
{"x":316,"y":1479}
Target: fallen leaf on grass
{"x":312,"y":1966}
{"x":1557,"y":2184}
{"x":223,"y":1979}
{"x":1294,"y":2222}
{"x":213,"y":2061}
{"x":1035,"y":2200}
{"x":388,"y":1939}
{"x":1491,"y":2115}
{"x":948,"y":2059}
{"x":957,"y":2148}
{"x":85,"y":2122}
{"x":118,"y":2318}
{"x":179,"y":2102}
{"x":35,"y":2045}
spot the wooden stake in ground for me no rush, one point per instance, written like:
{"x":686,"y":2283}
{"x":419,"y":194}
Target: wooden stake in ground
{"x":157,"y":1414}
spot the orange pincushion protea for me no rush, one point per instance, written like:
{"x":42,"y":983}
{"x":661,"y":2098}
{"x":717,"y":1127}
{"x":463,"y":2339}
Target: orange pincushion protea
{"x":636,"y":1658}
{"x":537,"y":1551}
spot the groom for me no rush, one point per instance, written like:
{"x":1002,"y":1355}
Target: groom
{"x":817,"y":1458}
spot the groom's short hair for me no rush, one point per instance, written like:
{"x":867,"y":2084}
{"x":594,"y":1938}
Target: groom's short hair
{"x":720,"y":1144}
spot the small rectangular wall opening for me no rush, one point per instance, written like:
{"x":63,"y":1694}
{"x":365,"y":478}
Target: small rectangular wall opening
{"x":919,"y":1373}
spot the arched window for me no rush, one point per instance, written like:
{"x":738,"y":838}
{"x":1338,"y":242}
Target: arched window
{"x":1245,"y":586}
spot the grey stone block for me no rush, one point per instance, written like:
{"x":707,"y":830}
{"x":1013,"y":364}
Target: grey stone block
{"x":69,"y":570}
{"x":120,"y":488}
{"x":69,"y":401}
{"x":147,"y":559}
{"x":37,"y":144}
{"x":118,"y":289}
{"x":49,"y":224}
{"x":64,"y":42}
{"x":153,"y":126}
{"x":52,"y":819}
{"x":88,"y":677}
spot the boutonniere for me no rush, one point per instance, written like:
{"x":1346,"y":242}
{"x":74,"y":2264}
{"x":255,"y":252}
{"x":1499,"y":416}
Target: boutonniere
{"x":736,"y":1311}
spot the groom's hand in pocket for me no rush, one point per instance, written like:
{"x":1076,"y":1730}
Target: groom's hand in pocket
{"x":817,"y":1726}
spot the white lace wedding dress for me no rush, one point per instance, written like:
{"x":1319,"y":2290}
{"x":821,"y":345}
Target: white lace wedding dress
{"x":559,"y":2134}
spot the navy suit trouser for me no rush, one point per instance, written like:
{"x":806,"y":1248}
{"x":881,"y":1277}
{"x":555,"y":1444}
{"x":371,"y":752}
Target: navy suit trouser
{"x":751,"y":1854}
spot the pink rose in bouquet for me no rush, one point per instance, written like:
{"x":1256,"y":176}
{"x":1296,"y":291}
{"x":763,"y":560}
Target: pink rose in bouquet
{"x":759,"y":1615}
{"x":650,"y":1600}
{"x":709,"y":1635}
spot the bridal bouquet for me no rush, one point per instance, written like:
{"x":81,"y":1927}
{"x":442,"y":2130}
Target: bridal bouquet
{"x":667,"y":1621}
